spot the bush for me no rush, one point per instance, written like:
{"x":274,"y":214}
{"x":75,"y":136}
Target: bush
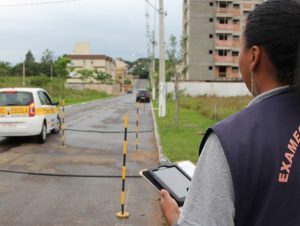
{"x":127,"y":82}
{"x":40,"y":81}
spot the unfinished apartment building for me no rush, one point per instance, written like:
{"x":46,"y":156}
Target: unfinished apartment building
{"x":212,"y":30}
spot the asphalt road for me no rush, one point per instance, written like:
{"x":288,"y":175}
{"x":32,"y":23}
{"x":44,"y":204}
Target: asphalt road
{"x":85,"y":200}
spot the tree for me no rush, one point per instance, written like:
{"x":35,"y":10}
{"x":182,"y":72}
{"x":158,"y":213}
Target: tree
{"x":86,"y":74}
{"x":17,"y":69}
{"x":47,"y":57}
{"x":31,"y":67}
{"x":47,"y":60}
{"x":183,"y":45}
{"x":174,"y":60}
{"x":60,"y":66}
{"x":140,"y":67}
{"x":103,"y":77}
{"x":29,"y":58}
{"x":5,"y":69}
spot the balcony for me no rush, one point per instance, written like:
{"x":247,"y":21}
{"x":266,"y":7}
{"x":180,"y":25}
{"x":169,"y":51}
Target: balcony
{"x":224,"y":44}
{"x":235,"y":75}
{"x":224,"y":12}
{"x":248,"y":6}
{"x":226,"y":28}
{"x":223,"y":60}
{"x":237,"y":28}
{"x":236,"y":12}
{"x":236,"y":44}
{"x":235,"y":60}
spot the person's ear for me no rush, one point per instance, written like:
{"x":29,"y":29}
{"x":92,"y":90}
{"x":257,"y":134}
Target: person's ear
{"x":255,"y":53}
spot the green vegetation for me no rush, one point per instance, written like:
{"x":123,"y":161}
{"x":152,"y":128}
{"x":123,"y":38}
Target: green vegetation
{"x":48,"y":65}
{"x":196,"y":116}
{"x":54,"y":87}
{"x":100,"y":76}
{"x":139,"y":67}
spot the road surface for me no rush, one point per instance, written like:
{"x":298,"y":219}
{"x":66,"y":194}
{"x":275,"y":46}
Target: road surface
{"x":29,"y":200}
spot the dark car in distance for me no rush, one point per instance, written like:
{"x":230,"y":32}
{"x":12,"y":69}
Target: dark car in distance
{"x":143,"y":95}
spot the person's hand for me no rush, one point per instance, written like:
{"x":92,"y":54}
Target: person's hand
{"x":169,"y":207}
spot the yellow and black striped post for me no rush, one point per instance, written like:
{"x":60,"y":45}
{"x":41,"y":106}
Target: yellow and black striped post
{"x":137,"y":127}
{"x":63,"y":125}
{"x":124,"y":214}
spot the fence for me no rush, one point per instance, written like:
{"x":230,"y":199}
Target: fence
{"x":221,"y":89}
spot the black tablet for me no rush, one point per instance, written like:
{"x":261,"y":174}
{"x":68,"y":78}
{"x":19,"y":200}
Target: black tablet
{"x":169,"y":177}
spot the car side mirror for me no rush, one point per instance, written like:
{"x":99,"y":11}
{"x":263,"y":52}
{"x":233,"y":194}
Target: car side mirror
{"x":56,"y":103}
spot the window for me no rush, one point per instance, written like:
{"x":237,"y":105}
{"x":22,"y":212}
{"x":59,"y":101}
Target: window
{"x":210,"y":68}
{"x":223,"y":5}
{"x":211,"y":35}
{"x":222,"y":52}
{"x":44,"y":98}
{"x":236,"y":6}
{"x":210,"y":51}
{"x":92,"y":62}
{"x":235,"y":53}
{"x":15,"y":98}
{"x":223,"y":36}
{"x":222,"y":72}
{"x":211,"y":19}
{"x":211,"y":4}
{"x":223,"y":20}
{"x":235,"y":69}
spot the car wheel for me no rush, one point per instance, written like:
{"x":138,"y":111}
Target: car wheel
{"x":43,"y":135}
{"x":56,"y":130}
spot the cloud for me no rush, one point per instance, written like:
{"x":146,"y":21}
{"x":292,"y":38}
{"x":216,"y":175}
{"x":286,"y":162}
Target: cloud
{"x":115,"y":27}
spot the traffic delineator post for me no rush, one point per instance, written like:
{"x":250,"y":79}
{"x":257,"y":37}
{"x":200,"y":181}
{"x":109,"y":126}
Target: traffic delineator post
{"x":123,"y":214}
{"x":63,"y":125}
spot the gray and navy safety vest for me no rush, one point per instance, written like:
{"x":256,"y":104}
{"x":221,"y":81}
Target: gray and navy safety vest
{"x":261,"y":144}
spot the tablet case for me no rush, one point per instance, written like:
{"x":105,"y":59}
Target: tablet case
{"x":146,"y":173}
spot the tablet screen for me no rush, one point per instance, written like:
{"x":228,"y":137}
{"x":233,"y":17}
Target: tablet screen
{"x":174,"y":179}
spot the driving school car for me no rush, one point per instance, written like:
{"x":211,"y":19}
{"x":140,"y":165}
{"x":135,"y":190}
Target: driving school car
{"x":28,"y":112}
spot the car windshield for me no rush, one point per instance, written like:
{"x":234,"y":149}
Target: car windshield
{"x":142,"y":91}
{"x":15,"y":98}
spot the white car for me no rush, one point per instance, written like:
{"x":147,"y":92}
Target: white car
{"x":28,"y":112}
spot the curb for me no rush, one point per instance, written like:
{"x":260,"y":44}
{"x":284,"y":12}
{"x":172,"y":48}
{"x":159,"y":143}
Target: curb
{"x":163,"y":160}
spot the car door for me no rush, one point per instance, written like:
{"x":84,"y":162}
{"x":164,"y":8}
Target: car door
{"x":48,"y":109}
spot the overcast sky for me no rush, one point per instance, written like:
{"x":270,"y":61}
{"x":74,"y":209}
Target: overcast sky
{"x":116,"y":28}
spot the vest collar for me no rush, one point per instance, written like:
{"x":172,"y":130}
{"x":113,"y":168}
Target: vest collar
{"x":268,"y":94}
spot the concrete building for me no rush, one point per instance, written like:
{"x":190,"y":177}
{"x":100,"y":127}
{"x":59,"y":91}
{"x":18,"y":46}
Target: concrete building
{"x":121,"y":70}
{"x":82,"y":48}
{"x":211,"y":31}
{"x":81,"y":58}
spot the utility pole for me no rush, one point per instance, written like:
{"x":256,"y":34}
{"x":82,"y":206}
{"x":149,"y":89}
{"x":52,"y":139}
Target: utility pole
{"x":153,"y":66}
{"x":51,"y":71}
{"x":123,"y":85}
{"x":162,"y":79}
{"x":23,"y":81}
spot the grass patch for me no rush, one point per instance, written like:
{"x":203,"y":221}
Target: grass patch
{"x":196,"y":115}
{"x":54,"y":87}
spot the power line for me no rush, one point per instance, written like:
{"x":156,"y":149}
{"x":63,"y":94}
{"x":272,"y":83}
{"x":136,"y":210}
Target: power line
{"x":153,"y":6}
{"x":38,"y":3}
